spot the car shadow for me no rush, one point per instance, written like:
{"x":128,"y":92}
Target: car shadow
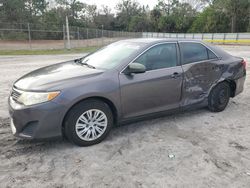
{"x":12,"y":147}
{"x":154,"y":122}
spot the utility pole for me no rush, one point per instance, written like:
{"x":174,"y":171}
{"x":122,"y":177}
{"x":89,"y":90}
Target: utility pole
{"x":29,"y":35}
{"x":102,"y":37}
{"x":64,"y":36}
{"x":87,"y":35}
{"x":78,"y":36}
{"x":102,"y":30}
{"x":67,"y":31}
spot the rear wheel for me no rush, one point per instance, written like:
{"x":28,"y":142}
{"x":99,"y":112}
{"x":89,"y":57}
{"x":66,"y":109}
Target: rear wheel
{"x":219,"y":97}
{"x":88,"y":122}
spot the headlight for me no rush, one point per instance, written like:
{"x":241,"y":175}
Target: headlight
{"x":30,"y":98}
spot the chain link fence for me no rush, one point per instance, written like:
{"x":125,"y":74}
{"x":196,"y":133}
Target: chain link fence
{"x":50,"y":36}
{"x":20,"y":36}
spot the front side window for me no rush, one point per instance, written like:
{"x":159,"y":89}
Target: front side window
{"x":194,"y":52}
{"x":158,"y":57}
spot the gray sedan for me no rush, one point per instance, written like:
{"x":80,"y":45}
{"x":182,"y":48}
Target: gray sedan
{"x":122,"y":82}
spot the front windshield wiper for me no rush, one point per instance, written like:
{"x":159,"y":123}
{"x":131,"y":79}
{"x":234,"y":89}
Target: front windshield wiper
{"x":80,"y":60}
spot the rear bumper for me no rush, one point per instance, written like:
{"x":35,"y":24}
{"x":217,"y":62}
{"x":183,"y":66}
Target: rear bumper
{"x":239,"y":85}
{"x":38,"y":121}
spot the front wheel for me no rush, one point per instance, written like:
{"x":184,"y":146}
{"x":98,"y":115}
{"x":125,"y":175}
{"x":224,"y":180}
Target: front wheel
{"x":88,"y":122}
{"x":219,"y":97}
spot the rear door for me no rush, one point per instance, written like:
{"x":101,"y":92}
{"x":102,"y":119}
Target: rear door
{"x":159,"y":88}
{"x":201,"y":69}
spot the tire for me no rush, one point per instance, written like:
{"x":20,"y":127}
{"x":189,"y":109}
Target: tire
{"x":88,"y":122}
{"x":219,"y":97}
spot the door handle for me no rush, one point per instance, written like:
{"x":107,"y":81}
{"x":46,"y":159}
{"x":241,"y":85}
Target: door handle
{"x":175,"y":75}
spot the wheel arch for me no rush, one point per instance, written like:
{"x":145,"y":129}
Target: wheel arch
{"x":103,"y":99}
{"x":231,"y":83}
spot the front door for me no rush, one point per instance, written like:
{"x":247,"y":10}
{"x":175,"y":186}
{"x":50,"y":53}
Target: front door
{"x":159,"y":88}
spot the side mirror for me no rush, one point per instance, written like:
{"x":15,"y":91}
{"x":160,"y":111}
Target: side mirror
{"x":135,"y":68}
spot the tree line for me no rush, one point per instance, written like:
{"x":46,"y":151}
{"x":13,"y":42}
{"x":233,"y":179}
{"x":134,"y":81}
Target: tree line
{"x":173,"y":16}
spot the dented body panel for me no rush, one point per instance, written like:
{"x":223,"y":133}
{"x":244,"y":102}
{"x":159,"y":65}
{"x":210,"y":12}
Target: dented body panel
{"x":201,"y":77}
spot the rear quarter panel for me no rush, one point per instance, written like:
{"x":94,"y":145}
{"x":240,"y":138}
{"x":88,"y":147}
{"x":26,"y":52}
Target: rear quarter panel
{"x":234,"y":71}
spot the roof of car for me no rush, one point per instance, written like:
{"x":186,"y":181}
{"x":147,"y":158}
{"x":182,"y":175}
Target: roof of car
{"x":158,"y":40}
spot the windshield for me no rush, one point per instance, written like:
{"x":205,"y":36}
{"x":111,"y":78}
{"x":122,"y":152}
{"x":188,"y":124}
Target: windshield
{"x":111,"y":55}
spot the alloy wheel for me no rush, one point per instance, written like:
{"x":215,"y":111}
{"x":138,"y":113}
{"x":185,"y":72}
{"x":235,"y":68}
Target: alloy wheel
{"x":91,"y":125}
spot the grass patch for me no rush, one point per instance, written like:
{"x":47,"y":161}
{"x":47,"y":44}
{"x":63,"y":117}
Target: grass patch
{"x":48,"y":52}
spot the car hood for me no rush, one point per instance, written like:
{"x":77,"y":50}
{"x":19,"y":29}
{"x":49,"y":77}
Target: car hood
{"x":42,"y":78}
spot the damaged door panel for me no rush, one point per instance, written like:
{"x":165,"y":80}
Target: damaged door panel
{"x":201,"y":69}
{"x":198,"y":79}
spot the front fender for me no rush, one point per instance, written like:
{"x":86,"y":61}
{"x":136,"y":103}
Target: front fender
{"x":107,"y":89}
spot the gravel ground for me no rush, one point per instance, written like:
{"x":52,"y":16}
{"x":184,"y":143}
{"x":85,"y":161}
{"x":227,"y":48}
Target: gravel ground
{"x":191,"y":149}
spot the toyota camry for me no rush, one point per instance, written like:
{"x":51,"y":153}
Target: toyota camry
{"x":125,"y":81}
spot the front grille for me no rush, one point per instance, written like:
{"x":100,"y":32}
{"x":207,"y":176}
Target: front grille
{"x":15,"y":95}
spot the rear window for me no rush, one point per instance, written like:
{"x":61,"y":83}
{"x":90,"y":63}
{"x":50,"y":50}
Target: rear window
{"x":194,"y":52}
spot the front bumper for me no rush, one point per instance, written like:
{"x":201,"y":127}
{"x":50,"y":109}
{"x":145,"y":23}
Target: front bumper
{"x":36,"y":121}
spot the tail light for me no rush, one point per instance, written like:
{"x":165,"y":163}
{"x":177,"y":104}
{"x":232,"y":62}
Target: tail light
{"x":244,"y":64}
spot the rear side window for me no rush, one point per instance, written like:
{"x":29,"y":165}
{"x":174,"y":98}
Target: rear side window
{"x":211,"y":55}
{"x":194,"y":52}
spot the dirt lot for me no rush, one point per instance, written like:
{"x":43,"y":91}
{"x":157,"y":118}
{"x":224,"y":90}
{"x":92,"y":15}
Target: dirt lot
{"x":192,"y":149}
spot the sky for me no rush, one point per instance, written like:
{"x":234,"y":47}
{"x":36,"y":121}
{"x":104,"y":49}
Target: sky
{"x":113,"y":3}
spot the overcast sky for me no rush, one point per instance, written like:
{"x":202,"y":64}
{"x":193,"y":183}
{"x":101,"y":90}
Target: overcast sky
{"x":113,"y":3}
